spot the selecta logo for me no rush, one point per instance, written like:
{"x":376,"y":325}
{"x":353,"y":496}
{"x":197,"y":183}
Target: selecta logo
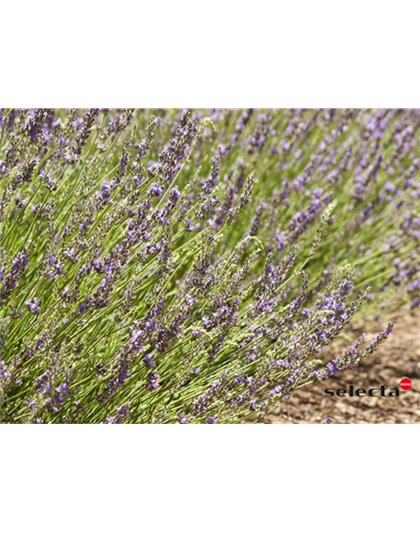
{"x":405,"y":384}
{"x":382,"y":391}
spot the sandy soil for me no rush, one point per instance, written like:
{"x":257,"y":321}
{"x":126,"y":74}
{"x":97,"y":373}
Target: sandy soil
{"x":397,"y":358}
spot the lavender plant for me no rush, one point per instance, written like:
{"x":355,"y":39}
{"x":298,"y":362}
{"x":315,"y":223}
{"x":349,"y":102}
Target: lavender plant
{"x":191,"y":266}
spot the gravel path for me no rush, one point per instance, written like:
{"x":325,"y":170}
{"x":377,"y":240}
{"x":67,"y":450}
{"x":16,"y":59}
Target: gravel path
{"x":397,"y":358}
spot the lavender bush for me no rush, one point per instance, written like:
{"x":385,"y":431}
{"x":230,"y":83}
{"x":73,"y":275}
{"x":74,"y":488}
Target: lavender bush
{"x":191,"y":266}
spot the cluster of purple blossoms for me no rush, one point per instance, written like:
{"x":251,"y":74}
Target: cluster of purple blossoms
{"x":152,"y":381}
{"x":33,"y":305}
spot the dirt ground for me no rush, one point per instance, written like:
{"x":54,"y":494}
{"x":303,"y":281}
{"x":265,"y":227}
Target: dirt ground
{"x":397,"y":358}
